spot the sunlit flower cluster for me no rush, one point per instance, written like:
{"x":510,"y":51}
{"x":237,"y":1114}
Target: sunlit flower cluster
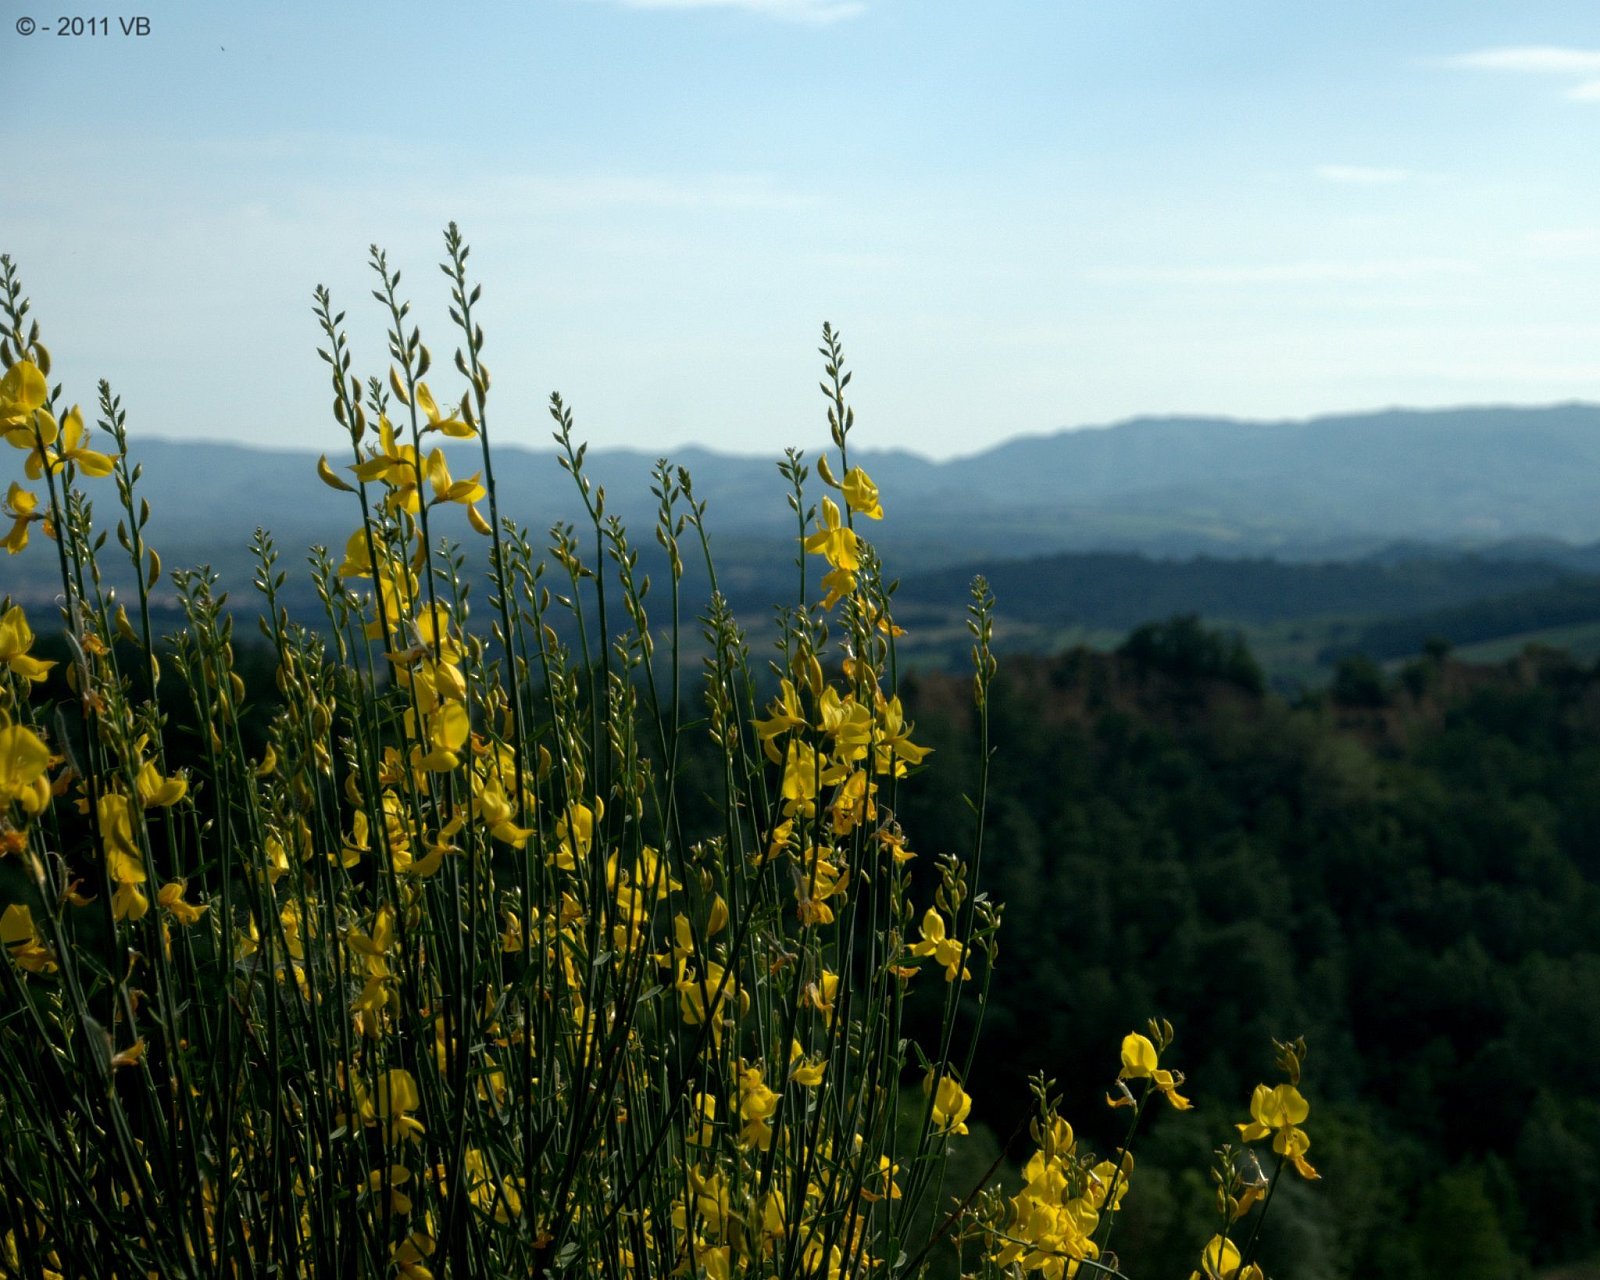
{"x":425,"y":952}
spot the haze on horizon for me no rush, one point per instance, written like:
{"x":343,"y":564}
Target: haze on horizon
{"x":1021,"y":218}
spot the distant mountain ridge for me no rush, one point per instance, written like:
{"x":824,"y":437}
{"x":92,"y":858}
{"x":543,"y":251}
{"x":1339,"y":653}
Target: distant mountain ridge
{"x":1326,"y":488}
{"x":1366,"y":532}
{"x":1471,"y":475}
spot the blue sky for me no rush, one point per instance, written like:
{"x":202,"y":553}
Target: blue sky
{"x":1022,"y":216}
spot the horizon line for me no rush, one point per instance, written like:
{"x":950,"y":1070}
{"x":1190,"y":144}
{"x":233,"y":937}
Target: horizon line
{"x":1135,"y":419}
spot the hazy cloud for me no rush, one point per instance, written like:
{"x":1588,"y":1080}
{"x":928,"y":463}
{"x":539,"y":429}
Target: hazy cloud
{"x":812,"y":11}
{"x":1289,"y":272}
{"x":1360,"y":175}
{"x":1540,"y":59}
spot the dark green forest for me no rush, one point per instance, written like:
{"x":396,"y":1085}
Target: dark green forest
{"x":1108,"y":589}
{"x":1404,"y":869}
{"x":1573,"y":600}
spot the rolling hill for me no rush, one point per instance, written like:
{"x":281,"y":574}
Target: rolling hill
{"x":1391,"y":524}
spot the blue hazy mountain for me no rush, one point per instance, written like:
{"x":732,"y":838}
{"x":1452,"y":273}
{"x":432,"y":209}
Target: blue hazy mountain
{"x":1317,"y":489}
{"x":1099,"y":527}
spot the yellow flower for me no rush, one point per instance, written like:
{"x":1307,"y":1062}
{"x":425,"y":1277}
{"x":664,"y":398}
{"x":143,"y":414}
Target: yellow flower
{"x":895,"y":750}
{"x":394,"y":1178}
{"x":822,"y":993}
{"x":756,"y":1105}
{"x":451,"y":426}
{"x":23,"y":761}
{"x":171,"y":898}
{"x":704,"y":1132}
{"x":70,"y":449}
{"x":22,"y":940}
{"x":803,"y":774}
{"x":575,"y":833}
{"x":406,"y":1257}
{"x":269,"y":763}
{"x":1104,"y":1176}
{"x":23,"y":392}
{"x":502,"y":1199}
{"x":123,"y":863}
{"x":440,"y":845}
{"x":448,"y":728}
{"x":944,"y":950}
{"x":840,"y":547}
{"x":712,"y":1203}
{"x":803,"y":1070}
{"x":396,"y":1098}
{"x":823,"y":1261}
{"x":716,"y":1263}
{"x":1220,"y":1261}
{"x":396,"y":582}
{"x":694,"y":994}
{"x":275,"y":860}
{"x":1139,"y":1062}
{"x":154,"y":790}
{"x":839,"y":583}
{"x":132,"y":1056}
{"x":21,"y":508}
{"x":374,"y":947}
{"x":861,"y":495}
{"x":786,"y":715}
{"x":129,"y":903}
{"x":446,"y":489}
{"x":495,"y":812}
{"x":895,"y":843}
{"x":396,"y":466}
{"x":1279,"y":1111}
{"x":834,"y":542}
{"x":651,"y":877}
{"x":815,"y":881}
{"x":402,"y":470}
{"x":951,"y":1104}
{"x":847,"y":722}
{"x":887,"y":1171}
{"x":357,"y":562}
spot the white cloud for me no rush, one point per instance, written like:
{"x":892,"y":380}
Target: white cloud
{"x":1360,"y":175}
{"x":1540,"y":59}
{"x":1290,"y":272}
{"x":818,"y":12}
